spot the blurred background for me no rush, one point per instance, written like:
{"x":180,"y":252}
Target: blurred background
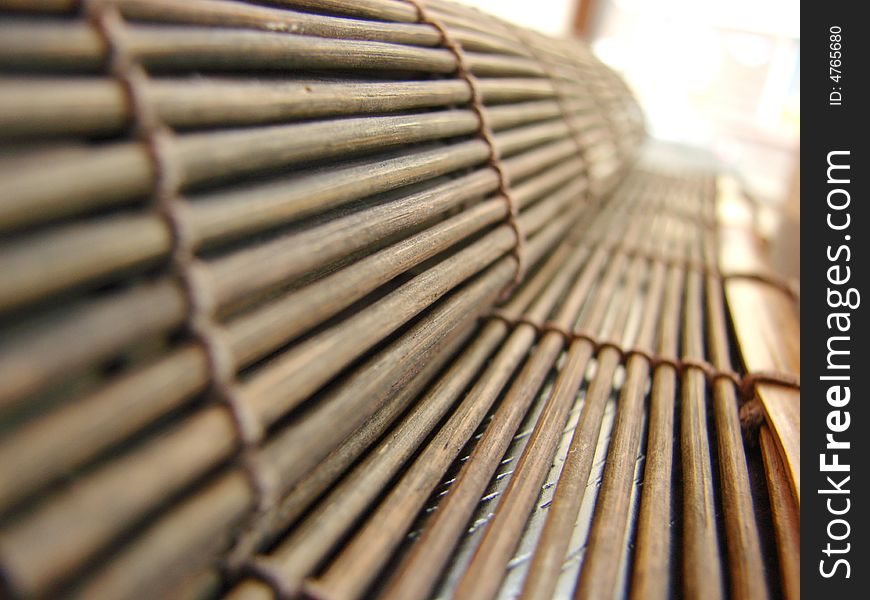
{"x":716,"y":78}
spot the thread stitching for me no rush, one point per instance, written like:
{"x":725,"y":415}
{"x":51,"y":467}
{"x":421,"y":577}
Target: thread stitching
{"x":190,"y":271}
{"x":746,"y":384}
{"x":463,"y":71}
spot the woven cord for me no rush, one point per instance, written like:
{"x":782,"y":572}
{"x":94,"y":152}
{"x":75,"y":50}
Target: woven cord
{"x":463,"y":71}
{"x":747,"y":383}
{"x":751,"y":412}
{"x":188,"y":269}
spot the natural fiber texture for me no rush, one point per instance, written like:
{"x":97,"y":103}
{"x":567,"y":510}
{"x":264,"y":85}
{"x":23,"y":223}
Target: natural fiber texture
{"x":747,"y":383}
{"x":343,"y":299}
{"x":187,"y":268}
{"x":463,"y":70}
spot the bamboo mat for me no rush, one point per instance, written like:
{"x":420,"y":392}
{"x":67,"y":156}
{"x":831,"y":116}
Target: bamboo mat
{"x":351,"y":299}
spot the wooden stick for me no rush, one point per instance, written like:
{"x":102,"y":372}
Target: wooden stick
{"x":562,"y":513}
{"x":76,"y":47}
{"x":200,"y":527}
{"x":235,"y":14}
{"x":160,"y":306}
{"x":235,"y":277}
{"x":484,"y":574}
{"x":766,"y":323}
{"x":72,"y":255}
{"x":606,"y":543}
{"x":702,"y":574}
{"x":428,"y":556}
{"x":786,"y":516}
{"x":119,"y":173}
{"x":337,"y":226}
{"x":41,"y":106}
{"x":311,"y":363}
{"x":300,"y":552}
{"x":356,"y":566}
{"x":299,"y":448}
{"x":741,"y":529}
{"x":238,"y":15}
{"x":57,"y":442}
{"x":196,"y":444}
{"x":651,"y":573}
{"x":379,"y":10}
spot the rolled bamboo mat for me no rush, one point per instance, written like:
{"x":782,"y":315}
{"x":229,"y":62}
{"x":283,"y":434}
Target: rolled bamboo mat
{"x":251,"y":254}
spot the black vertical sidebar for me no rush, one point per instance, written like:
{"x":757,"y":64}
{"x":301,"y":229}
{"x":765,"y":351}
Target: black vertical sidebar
{"x":835,"y":361}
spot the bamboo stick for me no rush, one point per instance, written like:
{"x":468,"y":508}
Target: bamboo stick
{"x":119,"y":173}
{"x":226,"y":216}
{"x":300,"y":447}
{"x":397,"y":11}
{"x":379,"y":10}
{"x":243,"y":15}
{"x":67,"y":256}
{"x":651,"y":574}
{"x":126,"y":405}
{"x":306,"y":491}
{"x":271,"y":392}
{"x":786,"y":516}
{"x":346,"y":219}
{"x":371,"y":12}
{"x":75,"y":47}
{"x":485,"y":572}
{"x":57,"y":336}
{"x":355,"y":567}
{"x":159,"y":305}
{"x":280,"y":389}
{"x":542,"y":242}
{"x":229,"y":510}
{"x":42,"y":106}
{"x":761,"y":314}
{"x":741,"y":530}
{"x":562,"y":513}
{"x":599,"y":571}
{"x":300,"y":553}
{"x":702,"y":576}
{"x":189,"y":529}
{"x":428,"y":556}
{"x":218,"y":215}
{"x":300,"y":310}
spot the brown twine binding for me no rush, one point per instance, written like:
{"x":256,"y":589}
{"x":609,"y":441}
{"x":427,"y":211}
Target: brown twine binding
{"x":463,"y":71}
{"x":751,"y":412}
{"x":188,"y":269}
{"x":751,"y":415}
